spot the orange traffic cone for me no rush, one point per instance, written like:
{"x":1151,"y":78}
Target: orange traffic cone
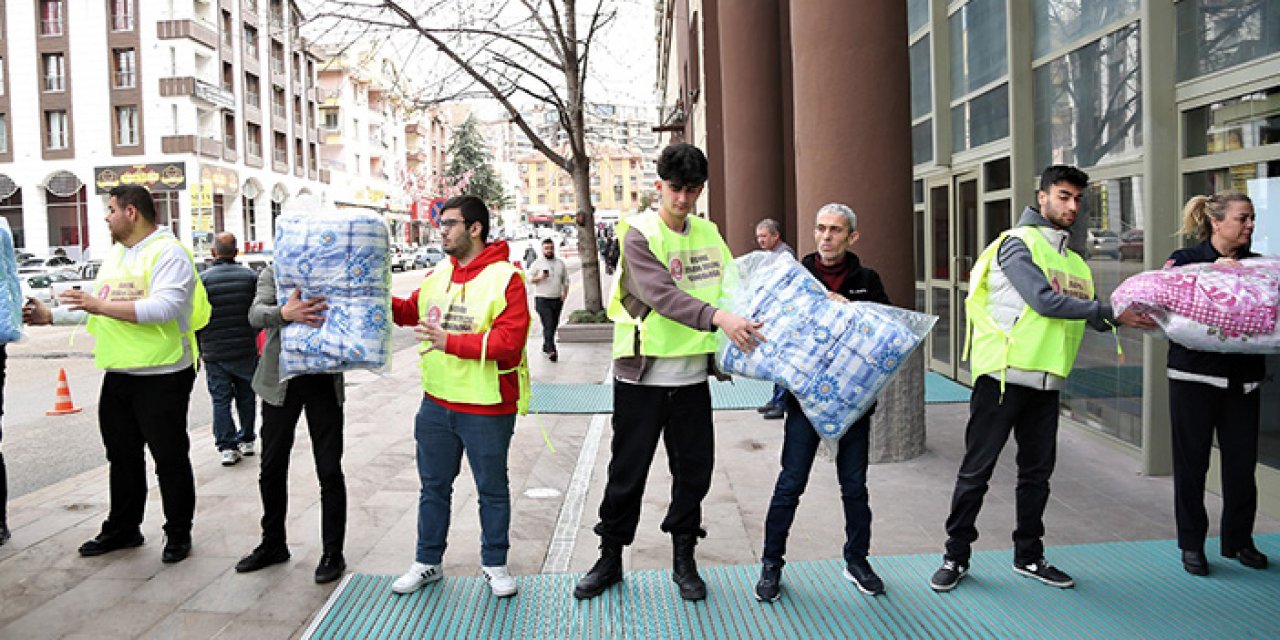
{"x":63,"y":405}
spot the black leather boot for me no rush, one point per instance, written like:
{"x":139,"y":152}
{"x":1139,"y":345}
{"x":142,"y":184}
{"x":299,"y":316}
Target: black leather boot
{"x":606,"y":572}
{"x":685,"y":568}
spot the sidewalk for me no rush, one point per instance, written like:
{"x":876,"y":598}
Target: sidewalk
{"x":48,"y":591}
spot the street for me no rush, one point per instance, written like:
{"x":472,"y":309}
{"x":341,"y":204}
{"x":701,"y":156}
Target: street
{"x":40,"y":450}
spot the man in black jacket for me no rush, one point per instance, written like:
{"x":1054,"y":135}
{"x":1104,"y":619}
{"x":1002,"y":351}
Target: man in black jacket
{"x":839,"y":269}
{"x":229,"y":348}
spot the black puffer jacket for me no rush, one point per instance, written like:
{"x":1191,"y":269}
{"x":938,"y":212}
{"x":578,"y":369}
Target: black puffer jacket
{"x":231,"y":288}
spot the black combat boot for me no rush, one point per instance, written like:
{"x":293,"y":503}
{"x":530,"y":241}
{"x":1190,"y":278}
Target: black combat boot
{"x":606,"y":572}
{"x":685,"y":568}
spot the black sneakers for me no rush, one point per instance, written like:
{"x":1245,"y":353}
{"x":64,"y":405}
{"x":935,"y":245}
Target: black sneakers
{"x":262,"y":557}
{"x":108,"y":542}
{"x":1248,"y":556}
{"x":864,"y":577}
{"x":1044,"y":572}
{"x":948,"y":575}
{"x":770,"y":585}
{"x":330,"y":568}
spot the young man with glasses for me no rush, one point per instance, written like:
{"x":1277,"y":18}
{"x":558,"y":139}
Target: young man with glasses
{"x":674,"y":268}
{"x":472,"y":318}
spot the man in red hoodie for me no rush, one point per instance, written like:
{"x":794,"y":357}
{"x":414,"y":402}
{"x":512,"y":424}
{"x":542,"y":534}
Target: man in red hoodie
{"x":472,"y":317}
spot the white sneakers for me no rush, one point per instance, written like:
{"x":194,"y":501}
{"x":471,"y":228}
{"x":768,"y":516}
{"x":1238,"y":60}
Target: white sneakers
{"x":500,"y":581}
{"x":417,"y":575}
{"x":230,"y":457}
{"x":246,"y":449}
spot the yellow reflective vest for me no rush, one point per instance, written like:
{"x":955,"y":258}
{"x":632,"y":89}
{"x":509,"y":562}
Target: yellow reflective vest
{"x":469,"y":308}
{"x":700,"y":265}
{"x":120,"y":344}
{"x":1034,"y":343}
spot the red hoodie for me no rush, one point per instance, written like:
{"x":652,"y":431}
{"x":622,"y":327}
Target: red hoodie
{"x":507,"y":336}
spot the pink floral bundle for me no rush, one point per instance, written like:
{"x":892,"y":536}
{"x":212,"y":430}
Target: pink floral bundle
{"x":1210,"y":306}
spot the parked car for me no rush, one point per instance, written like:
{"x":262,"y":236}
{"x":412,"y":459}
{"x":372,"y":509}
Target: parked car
{"x":37,"y":286}
{"x":1103,"y":242}
{"x":427,"y":257}
{"x":1131,"y":245}
{"x":43,"y":265}
{"x":255,"y":261}
{"x":64,"y":279}
{"x":89,"y":270}
{"x":400,"y":258}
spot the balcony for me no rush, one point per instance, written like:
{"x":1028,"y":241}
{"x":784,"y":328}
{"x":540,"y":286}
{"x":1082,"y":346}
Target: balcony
{"x":195,"y":30}
{"x":198,"y":89}
{"x":206,"y":146}
{"x":324,"y":176}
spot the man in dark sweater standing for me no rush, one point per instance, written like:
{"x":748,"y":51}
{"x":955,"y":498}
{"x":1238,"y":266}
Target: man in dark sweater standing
{"x":834,"y":232}
{"x":229,"y":348}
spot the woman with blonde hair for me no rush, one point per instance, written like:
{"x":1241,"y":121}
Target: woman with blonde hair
{"x":1215,"y":392}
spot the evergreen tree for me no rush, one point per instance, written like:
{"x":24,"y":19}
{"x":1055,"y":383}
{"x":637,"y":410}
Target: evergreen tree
{"x":469,"y":172}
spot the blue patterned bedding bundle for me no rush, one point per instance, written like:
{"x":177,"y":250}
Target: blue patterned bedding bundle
{"x":341,"y":255}
{"x":834,"y":357}
{"x":10,"y":288}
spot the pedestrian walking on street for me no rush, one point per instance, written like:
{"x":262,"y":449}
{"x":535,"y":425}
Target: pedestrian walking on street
{"x":143,"y":311}
{"x":550,"y":278}
{"x":1026,"y":331}
{"x":674,"y":268}
{"x":229,"y":347}
{"x":769,"y":238}
{"x":471,"y":315}
{"x":839,"y":269}
{"x":1216,"y":393}
{"x":320,"y":395}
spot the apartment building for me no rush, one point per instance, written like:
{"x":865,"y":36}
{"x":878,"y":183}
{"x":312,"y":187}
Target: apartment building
{"x":362,"y":117}
{"x":209,"y":103}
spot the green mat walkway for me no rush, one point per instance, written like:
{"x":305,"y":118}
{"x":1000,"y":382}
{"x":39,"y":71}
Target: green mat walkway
{"x":1124,"y":590}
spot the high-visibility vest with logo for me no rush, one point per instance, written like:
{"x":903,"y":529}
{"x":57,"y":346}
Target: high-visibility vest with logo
{"x":1034,"y":343}
{"x":700,"y":265}
{"x":468,"y":308}
{"x":134,"y":345}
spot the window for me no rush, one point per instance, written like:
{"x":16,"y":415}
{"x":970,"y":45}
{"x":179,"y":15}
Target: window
{"x":917,"y":14}
{"x":1242,"y":122}
{"x":51,"y":17}
{"x":250,"y":41}
{"x":277,"y":57}
{"x":126,"y":68}
{"x":1059,"y":23}
{"x":227,"y":28}
{"x":11,"y":209}
{"x":978,"y":46}
{"x":251,"y":94}
{"x":4,"y":133}
{"x":253,"y":139}
{"x":277,"y":102}
{"x":122,"y":15}
{"x":297,"y":110}
{"x":127,"y":126}
{"x":1,"y":75}
{"x":922,"y":142}
{"x":250,"y":207}
{"x":55,"y":72}
{"x":280,"y":148}
{"x":921,"y":84}
{"x":55,"y":127}
{"x":229,"y":131}
{"x":1217,"y":34}
{"x":331,"y":118}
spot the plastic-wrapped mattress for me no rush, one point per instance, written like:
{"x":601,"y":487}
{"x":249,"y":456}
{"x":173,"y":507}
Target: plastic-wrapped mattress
{"x":1210,"y":306}
{"x":342,"y":255}
{"x":835,"y":357}
{"x":10,"y":288}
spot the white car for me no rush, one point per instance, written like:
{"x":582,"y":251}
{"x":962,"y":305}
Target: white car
{"x":43,"y":265}
{"x":1103,"y":242}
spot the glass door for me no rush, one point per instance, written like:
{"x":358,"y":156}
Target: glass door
{"x":965,"y":222}
{"x":939,"y":286}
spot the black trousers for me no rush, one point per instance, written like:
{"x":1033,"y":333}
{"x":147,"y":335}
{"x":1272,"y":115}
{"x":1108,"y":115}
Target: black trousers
{"x":549,"y":313}
{"x":1197,"y":411}
{"x":137,"y":412}
{"x":316,"y":395}
{"x":1032,"y":416}
{"x":4,"y":474}
{"x":681,"y":417}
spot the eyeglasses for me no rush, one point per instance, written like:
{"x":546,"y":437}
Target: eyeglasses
{"x":449,"y":223}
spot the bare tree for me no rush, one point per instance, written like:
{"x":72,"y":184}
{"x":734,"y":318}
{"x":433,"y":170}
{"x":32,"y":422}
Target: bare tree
{"x":514,"y":51}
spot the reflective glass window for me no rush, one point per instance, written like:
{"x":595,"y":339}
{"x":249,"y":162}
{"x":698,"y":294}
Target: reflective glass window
{"x":1060,"y":22}
{"x":1244,"y":122}
{"x":979,"y":51}
{"x":1217,"y":34}
{"x":1088,"y":103}
{"x":921,"y":86}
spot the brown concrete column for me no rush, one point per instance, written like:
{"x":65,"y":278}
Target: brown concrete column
{"x":751,"y":120}
{"x":852,"y":137}
{"x":853,"y":129}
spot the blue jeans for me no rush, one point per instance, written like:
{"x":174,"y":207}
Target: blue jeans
{"x":228,"y":380}
{"x":799,"y":446}
{"x":442,"y":435}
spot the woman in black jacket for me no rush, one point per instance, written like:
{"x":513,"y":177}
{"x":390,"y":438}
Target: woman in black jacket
{"x":1219,"y":392}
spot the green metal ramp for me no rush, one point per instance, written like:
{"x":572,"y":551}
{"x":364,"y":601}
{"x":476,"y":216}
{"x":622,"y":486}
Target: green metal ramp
{"x":1124,"y":590}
